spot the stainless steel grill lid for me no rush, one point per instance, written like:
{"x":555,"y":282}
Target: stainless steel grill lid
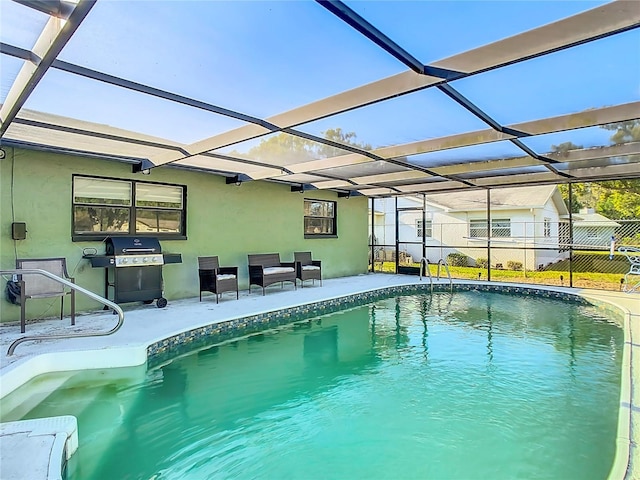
{"x":135,"y":251}
{"x":132,"y":245}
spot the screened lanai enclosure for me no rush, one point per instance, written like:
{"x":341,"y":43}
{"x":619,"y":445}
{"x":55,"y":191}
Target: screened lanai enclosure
{"x":501,"y":137}
{"x":547,"y":234}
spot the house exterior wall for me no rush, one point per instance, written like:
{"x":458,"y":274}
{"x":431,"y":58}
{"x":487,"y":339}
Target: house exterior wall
{"x":223,"y":220}
{"x":593,"y":235}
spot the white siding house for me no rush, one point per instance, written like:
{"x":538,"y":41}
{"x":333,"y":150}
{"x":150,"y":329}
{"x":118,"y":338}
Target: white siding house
{"x":457,"y":223}
{"x":591,"y":229}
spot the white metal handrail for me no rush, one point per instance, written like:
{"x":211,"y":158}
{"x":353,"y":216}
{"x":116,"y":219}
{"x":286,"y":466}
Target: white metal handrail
{"x":426,"y":267}
{"x":98,"y":298}
{"x":446,"y":267}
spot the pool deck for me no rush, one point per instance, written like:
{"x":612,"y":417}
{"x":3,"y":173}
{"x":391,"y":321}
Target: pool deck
{"x":146,"y":324}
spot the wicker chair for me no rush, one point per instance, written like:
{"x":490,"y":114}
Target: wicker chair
{"x":306,"y":268}
{"x":33,"y":285}
{"x":217,"y":279}
{"x":266,"y":269}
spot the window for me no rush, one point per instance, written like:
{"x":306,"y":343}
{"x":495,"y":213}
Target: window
{"x":319,"y":218}
{"x":499,"y":228}
{"x":478,"y":228}
{"x":547,"y":227}
{"x":104,"y":207}
{"x":593,"y":232}
{"x":429,"y":231}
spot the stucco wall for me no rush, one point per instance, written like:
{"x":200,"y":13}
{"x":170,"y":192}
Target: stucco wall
{"x":223,"y":220}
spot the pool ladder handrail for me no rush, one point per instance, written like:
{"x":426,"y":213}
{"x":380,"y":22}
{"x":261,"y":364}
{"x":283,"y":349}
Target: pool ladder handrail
{"x":443,"y":262}
{"x":426,"y":268}
{"x":73,"y":286}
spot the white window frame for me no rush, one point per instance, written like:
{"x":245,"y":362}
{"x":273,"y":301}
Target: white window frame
{"x":478,"y":228}
{"x":428,"y":233}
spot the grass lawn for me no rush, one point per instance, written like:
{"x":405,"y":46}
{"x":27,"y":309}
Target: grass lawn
{"x":596,"y":280}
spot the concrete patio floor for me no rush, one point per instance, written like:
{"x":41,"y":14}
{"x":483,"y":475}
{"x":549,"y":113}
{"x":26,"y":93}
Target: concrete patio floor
{"x":146,"y":324}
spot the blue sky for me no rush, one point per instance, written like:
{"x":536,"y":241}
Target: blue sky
{"x":262,"y":58}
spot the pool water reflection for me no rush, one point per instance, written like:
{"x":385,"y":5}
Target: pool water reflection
{"x":463,"y":385}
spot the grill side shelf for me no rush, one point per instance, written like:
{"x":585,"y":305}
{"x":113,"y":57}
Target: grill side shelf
{"x":101,"y":260}
{"x":172,"y":258}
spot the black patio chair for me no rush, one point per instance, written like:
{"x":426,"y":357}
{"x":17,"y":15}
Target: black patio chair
{"x":217,"y":279}
{"x":306,"y":268}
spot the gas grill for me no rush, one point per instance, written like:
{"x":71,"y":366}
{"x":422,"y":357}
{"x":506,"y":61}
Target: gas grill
{"x":134,"y":269}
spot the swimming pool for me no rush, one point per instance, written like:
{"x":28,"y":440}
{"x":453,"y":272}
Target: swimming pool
{"x":469,"y":385}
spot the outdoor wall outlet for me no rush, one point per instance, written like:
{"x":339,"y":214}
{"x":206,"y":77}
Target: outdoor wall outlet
{"x":18,"y":230}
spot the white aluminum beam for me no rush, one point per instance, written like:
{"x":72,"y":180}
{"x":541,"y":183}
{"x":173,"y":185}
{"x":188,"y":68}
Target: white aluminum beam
{"x":597,"y":22}
{"x":50,"y":43}
{"x":586,"y":26}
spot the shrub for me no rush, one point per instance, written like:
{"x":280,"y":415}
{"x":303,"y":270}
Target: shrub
{"x":457,"y":259}
{"x":513,"y":265}
{"x":482,"y":262}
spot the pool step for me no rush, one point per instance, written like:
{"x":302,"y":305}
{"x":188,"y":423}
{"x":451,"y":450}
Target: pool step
{"x":45,"y":445}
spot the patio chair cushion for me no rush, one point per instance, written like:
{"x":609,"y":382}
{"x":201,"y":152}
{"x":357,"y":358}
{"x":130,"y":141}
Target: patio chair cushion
{"x":225,"y":276}
{"x":310,"y":267}
{"x":274,"y":270}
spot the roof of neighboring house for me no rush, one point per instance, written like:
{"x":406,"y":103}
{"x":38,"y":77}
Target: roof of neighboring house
{"x":501,"y":199}
{"x":592,"y":220}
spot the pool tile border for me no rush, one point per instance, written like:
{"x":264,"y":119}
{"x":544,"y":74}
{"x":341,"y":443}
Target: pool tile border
{"x":164,"y":350}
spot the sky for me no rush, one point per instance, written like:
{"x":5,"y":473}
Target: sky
{"x":262,"y":58}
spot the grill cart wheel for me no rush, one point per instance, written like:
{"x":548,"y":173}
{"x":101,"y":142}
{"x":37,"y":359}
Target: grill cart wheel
{"x":161,"y":302}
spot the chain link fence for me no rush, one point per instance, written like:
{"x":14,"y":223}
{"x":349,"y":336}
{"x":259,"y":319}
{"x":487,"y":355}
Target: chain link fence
{"x":580,"y":250}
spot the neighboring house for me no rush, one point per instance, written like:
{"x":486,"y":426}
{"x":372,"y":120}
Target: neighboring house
{"x":534,"y":218}
{"x":591,"y":229}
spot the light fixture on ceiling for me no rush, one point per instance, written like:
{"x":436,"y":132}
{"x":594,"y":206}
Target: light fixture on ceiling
{"x":144,"y":167}
{"x":235,"y":180}
{"x":297,"y":188}
{"x":346,"y":195}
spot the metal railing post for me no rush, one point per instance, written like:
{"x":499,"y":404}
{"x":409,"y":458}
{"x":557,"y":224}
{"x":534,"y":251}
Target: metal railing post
{"x":73,"y":286}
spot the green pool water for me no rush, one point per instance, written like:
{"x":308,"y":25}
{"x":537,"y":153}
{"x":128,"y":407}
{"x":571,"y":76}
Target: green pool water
{"x":464,"y":386}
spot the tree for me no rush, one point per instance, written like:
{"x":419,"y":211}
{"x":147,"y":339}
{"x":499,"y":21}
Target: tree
{"x":625,"y":132}
{"x":562,"y":149}
{"x":565,"y":147}
{"x":621,"y":198}
{"x":285,"y":149}
{"x":337,"y":135}
{"x":615,"y":199}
